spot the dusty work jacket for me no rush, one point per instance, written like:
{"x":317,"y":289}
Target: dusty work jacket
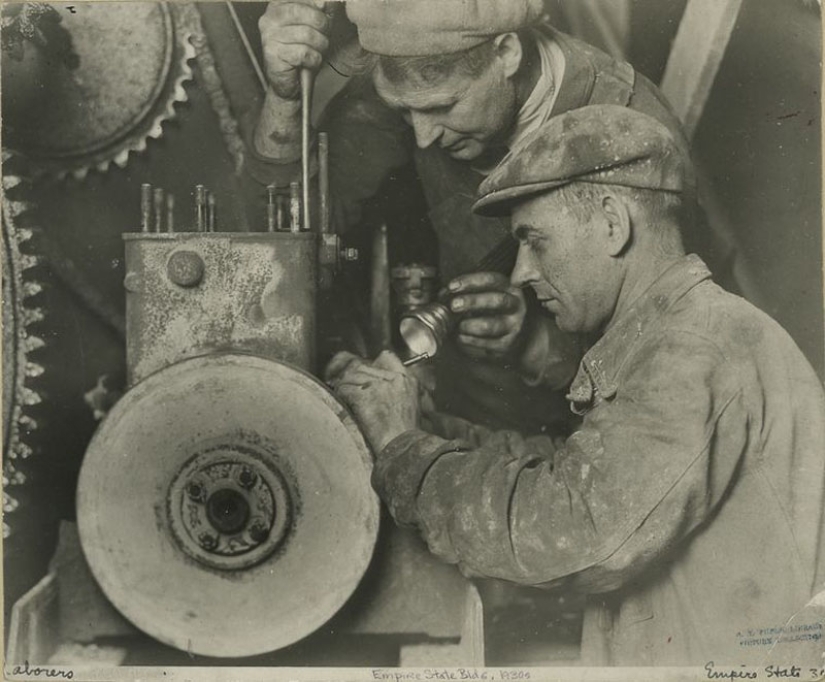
{"x":688,"y":505}
{"x":368,"y":141}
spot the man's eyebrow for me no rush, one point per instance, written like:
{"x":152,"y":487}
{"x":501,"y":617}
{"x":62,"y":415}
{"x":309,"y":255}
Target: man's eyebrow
{"x":391,"y":102}
{"x":398,"y":105}
{"x":440,"y":104}
{"x":522,"y":231}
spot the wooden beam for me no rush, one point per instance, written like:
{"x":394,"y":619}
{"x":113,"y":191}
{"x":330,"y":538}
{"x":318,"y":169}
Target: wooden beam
{"x":697,"y":52}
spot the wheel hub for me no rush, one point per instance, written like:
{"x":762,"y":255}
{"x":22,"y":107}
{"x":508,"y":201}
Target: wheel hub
{"x":229,"y":506}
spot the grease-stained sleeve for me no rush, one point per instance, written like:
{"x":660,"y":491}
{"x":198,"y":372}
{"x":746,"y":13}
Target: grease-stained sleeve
{"x":646,"y":467}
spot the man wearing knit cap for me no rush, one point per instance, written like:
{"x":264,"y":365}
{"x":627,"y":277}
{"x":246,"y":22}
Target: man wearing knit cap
{"x":455,"y":85}
{"x":688,"y":506}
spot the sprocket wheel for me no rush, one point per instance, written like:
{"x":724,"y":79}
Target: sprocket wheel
{"x":20,"y":372}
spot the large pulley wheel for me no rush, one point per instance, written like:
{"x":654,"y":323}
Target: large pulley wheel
{"x":225,"y":507}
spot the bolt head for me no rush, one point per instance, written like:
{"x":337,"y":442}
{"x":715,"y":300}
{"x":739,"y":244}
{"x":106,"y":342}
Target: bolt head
{"x":195,"y":492}
{"x":185,"y":268}
{"x":247,"y":478}
{"x":207,"y":541}
{"x":132,"y":282}
{"x":258,"y":532}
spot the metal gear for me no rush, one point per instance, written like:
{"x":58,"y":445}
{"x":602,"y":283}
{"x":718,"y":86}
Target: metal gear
{"x":124,"y":87}
{"x":20,"y":373}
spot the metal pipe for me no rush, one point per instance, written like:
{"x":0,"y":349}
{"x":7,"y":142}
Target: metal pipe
{"x":146,"y":207}
{"x":159,"y":206}
{"x":380,"y":294}
{"x":250,"y":53}
{"x":200,"y":208}
{"x":280,"y":201}
{"x":295,"y":206}
{"x":211,"y":211}
{"x":323,"y":181}
{"x":307,"y":78}
{"x":271,"y":209}
{"x":415,"y":359}
{"x":170,"y":212}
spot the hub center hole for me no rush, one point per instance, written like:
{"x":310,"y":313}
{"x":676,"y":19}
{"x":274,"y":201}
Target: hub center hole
{"x":227,"y":511}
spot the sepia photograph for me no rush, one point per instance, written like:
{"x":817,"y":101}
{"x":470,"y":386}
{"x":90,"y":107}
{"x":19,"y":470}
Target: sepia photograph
{"x":412,"y":340}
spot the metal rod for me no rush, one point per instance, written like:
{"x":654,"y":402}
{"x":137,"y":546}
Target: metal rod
{"x":295,"y":206}
{"x":170,"y":212}
{"x":271,"y":209}
{"x":159,"y":205}
{"x":280,"y":202}
{"x":415,"y":359}
{"x":307,"y":78}
{"x":146,"y":207}
{"x":200,"y":208}
{"x":211,"y":211}
{"x":247,"y":46}
{"x":381,"y":327}
{"x":323,"y":181}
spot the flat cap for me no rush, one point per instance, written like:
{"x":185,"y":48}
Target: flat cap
{"x":417,"y":28}
{"x":603,"y":143}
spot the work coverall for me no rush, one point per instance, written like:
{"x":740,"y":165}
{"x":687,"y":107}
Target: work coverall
{"x":688,"y":506}
{"x":368,"y":141}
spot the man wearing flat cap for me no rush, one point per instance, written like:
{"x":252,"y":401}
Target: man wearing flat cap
{"x":688,"y":506}
{"x":455,"y":85}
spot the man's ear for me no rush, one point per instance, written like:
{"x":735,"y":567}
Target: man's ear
{"x":509,"y":50}
{"x":618,"y":224}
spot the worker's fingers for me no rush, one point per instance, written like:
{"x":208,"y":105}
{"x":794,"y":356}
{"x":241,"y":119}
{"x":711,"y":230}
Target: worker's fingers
{"x":478,"y":281}
{"x":389,"y":361}
{"x":500,"y":302}
{"x":296,"y":56}
{"x":293,"y":35}
{"x":351,"y":394}
{"x":488,"y":327}
{"x":293,"y":13}
{"x":304,"y":35}
{"x":479,"y":347}
{"x":357,"y":373}
{"x":377,"y":372}
{"x":347,"y":384}
{"x":339,"y":362}
{"x":426,"y":402}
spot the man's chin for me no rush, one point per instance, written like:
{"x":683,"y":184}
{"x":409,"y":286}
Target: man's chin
{"x":551,"y":308}
{"x":466,"y":152}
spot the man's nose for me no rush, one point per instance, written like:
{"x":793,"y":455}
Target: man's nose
{"x":524,"y":272}
{"x":426,"y":130}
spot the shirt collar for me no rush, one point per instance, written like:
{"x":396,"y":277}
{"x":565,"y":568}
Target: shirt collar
{"x":541,"y":103}
{"x":601,"y":364}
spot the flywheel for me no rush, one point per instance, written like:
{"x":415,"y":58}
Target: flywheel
{"x":225,"y":506}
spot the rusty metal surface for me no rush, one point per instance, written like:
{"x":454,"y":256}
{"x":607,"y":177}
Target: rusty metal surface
{"x":189,"y":294}
{"x":129,"y":489}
